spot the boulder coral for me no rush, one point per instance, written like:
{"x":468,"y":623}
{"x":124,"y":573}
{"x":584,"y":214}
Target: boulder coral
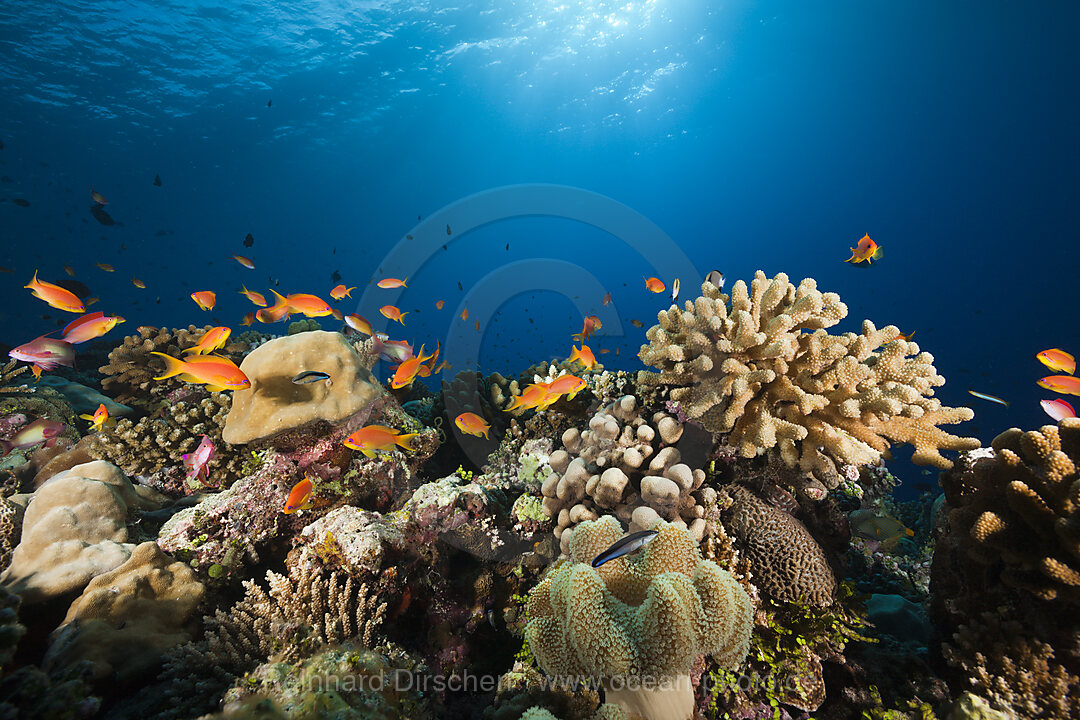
{"x":637,"y":623}
{"x":761,"y":367}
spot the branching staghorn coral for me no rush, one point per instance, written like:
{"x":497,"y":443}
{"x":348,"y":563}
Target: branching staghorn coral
{"x":761,"y":367}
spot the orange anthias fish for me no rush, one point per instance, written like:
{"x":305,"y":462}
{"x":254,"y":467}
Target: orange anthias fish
{"x":340,"y":291}
{"x":465,"y":314}
{"x":246,"y":262}
{"x":55,"y":296}
{"x":407,"y":370}
{"x":205,"y":299}
{"x":588,"y":328}
{"x":211,"y":340}
{"x":278,"y":311}
{"x":472,"y":424}
{"x":309,"y":305}
{"x":387,"y":283}
{"x":299,"y":497}
{"x":584,"y":356}
{"x":248,"y":319}
{"x":477,"y":324}
{"x":533,"y":396}
{"x":1058,"y":409}
{"x":358,"y":323}
{"x":217,"y":373}
{"x":1065,"y":384}
{"x":865,"y":251}
{"x":907,"y":337}
{"x":568,"y":385}
{"x":253,"y":296}
{"x":106,"y":267}
{"x":99,"y":419}
{"x":88,"y":327}
{"x":370,"y":438}
{"x":138,"y":283}
{"x":1058,"y":360}
{"x":439,"y":304}
{"x":98,"y":197}
{"x":655,"y":285}
{"x":391,"y":312}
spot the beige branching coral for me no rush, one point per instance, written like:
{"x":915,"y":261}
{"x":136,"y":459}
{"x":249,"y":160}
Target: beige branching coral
{"x":761,"y":367}
{"x":638,"y":622}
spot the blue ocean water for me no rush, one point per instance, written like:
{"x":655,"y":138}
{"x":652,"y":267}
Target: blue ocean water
{"x":754,"y":135}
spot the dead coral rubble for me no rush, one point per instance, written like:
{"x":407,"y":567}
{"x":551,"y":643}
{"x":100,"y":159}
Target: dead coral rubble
{"x":761,"y":367}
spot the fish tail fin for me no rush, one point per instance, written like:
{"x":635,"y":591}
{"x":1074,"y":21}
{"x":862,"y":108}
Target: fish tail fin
{"x":402,"y":441}
{"x":877,"y":253}
{"x":173,"y":366}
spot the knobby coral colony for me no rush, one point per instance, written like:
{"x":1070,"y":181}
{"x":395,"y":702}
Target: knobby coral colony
{"x":737,"y":462}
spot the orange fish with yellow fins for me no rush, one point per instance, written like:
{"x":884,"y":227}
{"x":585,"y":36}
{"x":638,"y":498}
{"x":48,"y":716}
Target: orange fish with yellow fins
{"x":472,"y":424}
{"x":584,"y":355}
{"x":299,"y":497}
{"x":865,"y":251}
{"x":216,"y":372}
{"x":211,"y":340}
{"x":99,"y":419}
{"x":370,"y":438}
{"x":56,"y":296}
{"x":407,"y":370}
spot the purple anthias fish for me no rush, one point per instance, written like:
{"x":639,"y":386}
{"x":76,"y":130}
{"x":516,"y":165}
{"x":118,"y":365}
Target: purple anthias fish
{"x":195,"y":463}
{"x":45,"y":352}
{"x":41,"y":430}
{"x":392,"y":351}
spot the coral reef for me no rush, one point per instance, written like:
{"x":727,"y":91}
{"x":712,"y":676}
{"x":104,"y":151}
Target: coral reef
{"x":73,"y":530}
{"x":625,"y":465}
{"x":274,"y":404}
{"x":787,"y":562}
{"x":764,"y":370}
{"x":126,"y":617}
{"x":637,"y":623}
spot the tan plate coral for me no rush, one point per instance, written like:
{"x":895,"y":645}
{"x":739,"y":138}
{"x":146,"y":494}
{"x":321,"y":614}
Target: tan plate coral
{"x":761,"y":367}
{"x":638,"y":622}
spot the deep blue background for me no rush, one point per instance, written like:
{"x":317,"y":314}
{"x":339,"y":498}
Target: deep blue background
{"x":766,"y":136}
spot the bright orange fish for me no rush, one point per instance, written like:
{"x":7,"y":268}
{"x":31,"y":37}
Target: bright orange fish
{"x":217,"y":373}
{"x":246,"y":262}
{"x":584,"y":356}
{"x":391,"y":312}
{"x":55,"y":296}
{"x":138,"y":283}
{"x":472,"y":424}
{"x":340,"y":291}
{"x":477,"y":324}
{"x":248,"y":319}
{"x":69,"y":270}
{"x":407,"y":370}
{"x":98,"y":419}
{"x":1058,"y":360}
{"x":278,"y":311}
{"x":106,"y":267}
{"x":568,"y":385}
{"x":1066,"y":384}
{"x":358,"y":323}
{"x":309,"y":305}
{"x":370,"y":438}
{"x":655,"y":285}
{"x":588,"y":328}
{"x":865,"y":251}
{"x":387,"y":283}
{"x":439,"y":304}
{"x":299,"y":497}
{"x":211,"y":340}
{"x":88,"y":327}
{"x":253,"y":296}
{"x":205,"y":299}
{"x":465,"y":314}
{"x":907,"y":337}
{"x":533,"y":396}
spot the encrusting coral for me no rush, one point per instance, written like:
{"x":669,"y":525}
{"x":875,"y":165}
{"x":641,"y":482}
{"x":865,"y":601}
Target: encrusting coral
{"x":638,"y":622}
{"x":126,"y":617}
{"x":763,"y":369}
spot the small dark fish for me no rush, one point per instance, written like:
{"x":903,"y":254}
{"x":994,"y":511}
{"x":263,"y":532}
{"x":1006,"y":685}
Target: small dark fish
{"x":21,"y":202}
{"x":408,"y":237}
{"x":716,"y":278}
{"x":624,"y":546}
{"x":335,"y":277}
{"x":507,"y":246}
{"x":675,"y":290}
{"x":447,"y":228}
{"x":269,"y":102}
{"x":249,"y":240}
{"x":9,"y":271}
{"x":310,"y":376}
{"x":74,"y":286}
{"x":491,"y":619}
{"x":443,"y":247}
{"x":636,"y":323}
{"x":459,"y":285}
{"x":101,"y":216}
{"x":157,"y":180}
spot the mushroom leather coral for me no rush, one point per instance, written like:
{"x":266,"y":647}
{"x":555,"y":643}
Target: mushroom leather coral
{"x":638,"y":619}
{"x":763,"y":369}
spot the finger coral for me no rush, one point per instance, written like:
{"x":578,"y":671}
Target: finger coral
{"x":638,"y":622}
{"x":761,"y":367}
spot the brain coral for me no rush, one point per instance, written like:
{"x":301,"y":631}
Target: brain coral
{"x":788,"y":564}
{"x":638,"y":622}
{"x":763,"y":369}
